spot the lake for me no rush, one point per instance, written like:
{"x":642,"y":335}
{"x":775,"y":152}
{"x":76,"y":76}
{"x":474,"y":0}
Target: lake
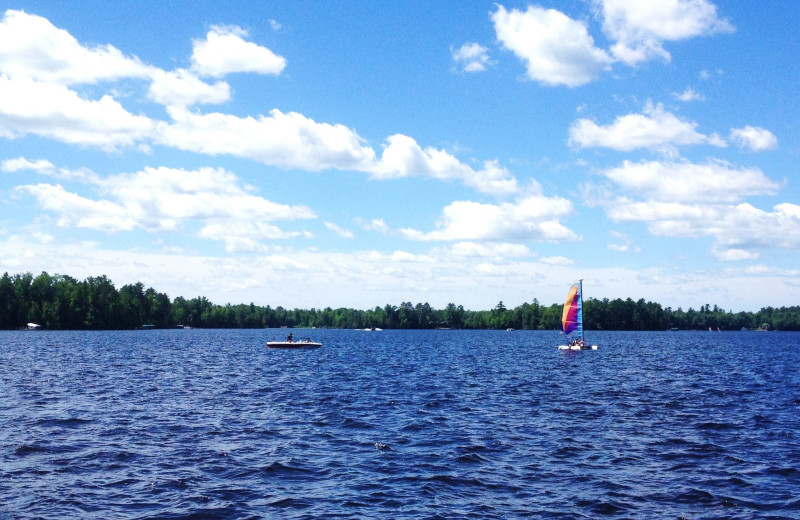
{"x":182,"y":424}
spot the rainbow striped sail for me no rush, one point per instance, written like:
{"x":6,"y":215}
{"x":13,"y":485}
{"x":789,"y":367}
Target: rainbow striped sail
{"x":572,"y":316}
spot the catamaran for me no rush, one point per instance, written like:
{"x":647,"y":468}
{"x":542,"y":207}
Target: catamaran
{"x":572,"y":319}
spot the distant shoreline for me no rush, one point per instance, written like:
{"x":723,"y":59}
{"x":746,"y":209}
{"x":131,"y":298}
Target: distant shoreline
{"x":60,"y":302}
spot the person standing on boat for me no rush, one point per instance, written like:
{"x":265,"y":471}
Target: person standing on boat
{"x":290,"y":339}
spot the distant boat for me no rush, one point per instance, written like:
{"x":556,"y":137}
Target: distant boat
{"x":33,"y":326}
{"x":572,"y":319}
{"x":307,"y":344}
{"x":291,"y":343}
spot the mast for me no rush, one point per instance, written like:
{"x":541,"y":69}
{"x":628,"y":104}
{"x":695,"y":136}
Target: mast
{"x":580,"y":309}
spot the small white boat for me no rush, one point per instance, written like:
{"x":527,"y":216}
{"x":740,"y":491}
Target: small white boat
{"x":572,"y":319}
{"x":307,"y":344}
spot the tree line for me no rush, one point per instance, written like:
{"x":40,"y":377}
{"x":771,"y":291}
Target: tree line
{"x":61,"y":302}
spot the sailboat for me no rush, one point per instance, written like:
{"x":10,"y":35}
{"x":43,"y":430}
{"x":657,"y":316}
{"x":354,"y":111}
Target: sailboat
{"x":572,"y":319}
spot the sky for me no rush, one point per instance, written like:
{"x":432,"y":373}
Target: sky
{"x":356,"y":153}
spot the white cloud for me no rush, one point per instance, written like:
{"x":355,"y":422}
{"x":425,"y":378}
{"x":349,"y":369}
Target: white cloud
{"x":244,"y":236}
{"x":557,"y":260}
{"x":163,"y":199}
{"x":35,"y":99}
{"x":225,"y":51}
{"x":32,"y":47}
{"x":703,"y":200}
{"x":376,"y":224}
{"x":21,"y":163}
{"x":706,"y":75}
{"x":403,"y":157}
{"x":640,"y":28}
{"x":709,"y":183}
{"x":557,"y":50}
{"x":494,"y":250}
{"x":45,"y":167}
{"x":288,"y":140}
{"x":54,"y":111}
{"x":624,"y":243}
{"x":754,"y":138}
{"x":533,"y":218}
{"x":182,"y":88}
{"x":730,"y":255}
{"x":74,"y":210}
{"x":747,"y":227}
{"x":471,"y":57}
{"x":740,"y":226}
{"x":366,"y":279}
{"x":344,"y":233}
{"x":689,"y":95}
{"x":654,"y":128}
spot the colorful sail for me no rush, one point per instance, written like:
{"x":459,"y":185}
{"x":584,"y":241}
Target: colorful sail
{"x":572,"y":316}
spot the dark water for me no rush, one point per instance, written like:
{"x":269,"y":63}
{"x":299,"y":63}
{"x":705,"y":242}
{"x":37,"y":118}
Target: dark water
{"x":392,"y":424}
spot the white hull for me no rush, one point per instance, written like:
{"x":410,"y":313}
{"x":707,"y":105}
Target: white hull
{"x":577,"y":347}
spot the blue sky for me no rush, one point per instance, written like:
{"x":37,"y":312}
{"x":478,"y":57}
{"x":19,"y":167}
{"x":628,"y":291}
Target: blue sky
{"x":313,"y":154}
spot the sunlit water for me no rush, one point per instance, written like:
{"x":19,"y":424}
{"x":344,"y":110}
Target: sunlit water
{"x":399,"y":424}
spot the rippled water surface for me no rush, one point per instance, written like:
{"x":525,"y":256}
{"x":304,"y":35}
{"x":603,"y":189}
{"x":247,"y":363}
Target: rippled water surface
{"x":399,"y":424}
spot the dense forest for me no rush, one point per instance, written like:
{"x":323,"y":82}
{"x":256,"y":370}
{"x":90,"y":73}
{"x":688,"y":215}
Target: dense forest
{"x":62,"y":302}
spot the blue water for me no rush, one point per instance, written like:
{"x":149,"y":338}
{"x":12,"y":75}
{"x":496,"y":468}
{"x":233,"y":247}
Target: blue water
{"x":399,"y":424}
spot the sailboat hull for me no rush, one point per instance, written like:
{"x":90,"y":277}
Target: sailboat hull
{"x":577,"y":347}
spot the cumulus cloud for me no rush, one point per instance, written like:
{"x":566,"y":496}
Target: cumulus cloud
{"x":688,"y":95}
{"x":483,"y":250}
{"x":557,"y":260}
{"x":21,"y":163}
{"x":164,"y":199}
{"x":654,"y":128}
{"x":36,"y":98}
{"x":754,"y":138}
{"x":535,"y":217}
{"x":739,"y":227}
{"x":692,"y":200}
{"x":559,"y":50}
{"x":54,"y":111}
{"x":640,"y":28}
{"x":225,"y":51}
{"x":710,"y":183}
{"x":245,"y":236}
{"x":376,"y":224}
{"x":471,"y":57}
{"x":32,"y":47}
{"x":403,"y":157}
{"x":623,"y":243}
{"x":182,"y":87}
{"x":286,"y":140}
{"x":45,"y":167}
{"x":556,"y":49}
{"x":344,"y":233}
{"x":731,"y":255}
